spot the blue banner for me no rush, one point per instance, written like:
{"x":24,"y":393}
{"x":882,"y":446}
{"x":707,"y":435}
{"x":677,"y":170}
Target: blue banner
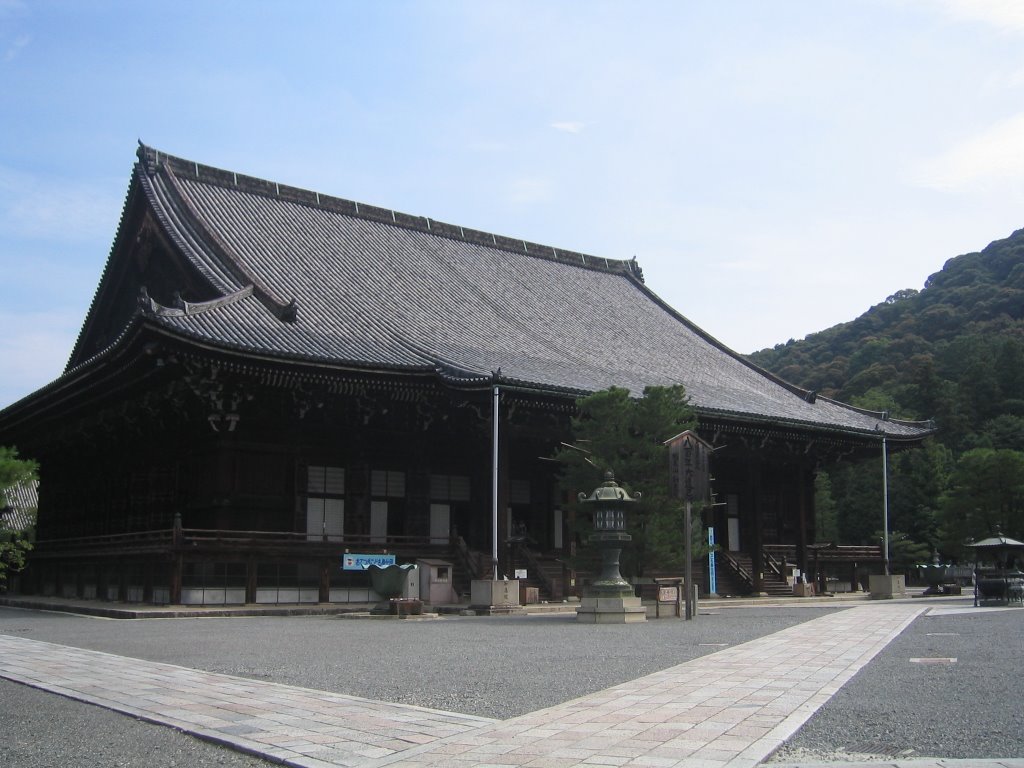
{"x":353,"y":562}
{"x":713,"y":577}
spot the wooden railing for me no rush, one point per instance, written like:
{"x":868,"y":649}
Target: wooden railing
{"x":784,"y":553}
{"x":157,"y":537}
{"x":844,"y":553}
{"x":189,"y":537}
{"x":733,"y":565}
{"x":472,"y":564}
{"x":535,"y":568}
{"x":773,"y":563}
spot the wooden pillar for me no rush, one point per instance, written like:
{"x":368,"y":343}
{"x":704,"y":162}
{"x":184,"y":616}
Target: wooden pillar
{"x":177,"y":541}
{"x":101,"y":581}
{"x":805,"y":480}
{"x":251,"y":567}
{"x":820,"y":574}
{"x":176,"y":577}
{"x":147,"y":582}
{"x":504,"y":513}
{"x":325,"y":582}
{"x":756,"y":556}
{"x":122,"y":582}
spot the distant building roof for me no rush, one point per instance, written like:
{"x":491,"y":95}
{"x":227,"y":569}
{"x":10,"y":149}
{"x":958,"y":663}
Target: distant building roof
{"x":17,"y":506}
{"x":302,"y":276}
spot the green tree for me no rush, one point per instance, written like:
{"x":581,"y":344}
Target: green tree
{"x":857,"y":489}
{"x":904,"y":552}
{"x":13,"y":544}
{"x":826,"y":523}
{"x":986,"y":492}
{"x":626,"y":435}
{"x":916,"y":481}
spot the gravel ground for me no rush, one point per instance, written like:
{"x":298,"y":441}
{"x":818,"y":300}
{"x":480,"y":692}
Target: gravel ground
{"x":43,"y":730}
{"x":504,"y":666}
{"x":894,"y":707}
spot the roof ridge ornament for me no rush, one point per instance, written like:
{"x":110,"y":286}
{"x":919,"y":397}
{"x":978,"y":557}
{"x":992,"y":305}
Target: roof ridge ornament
{"x":634,"y":269}
{"x":146,"y":303}
{"x":290,"y":312}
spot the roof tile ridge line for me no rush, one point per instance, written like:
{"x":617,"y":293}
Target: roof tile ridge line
{"x":300,"y":196}
{"x":129,"y":196}
{"x":804,"y":394}
{"x":278,"y":306}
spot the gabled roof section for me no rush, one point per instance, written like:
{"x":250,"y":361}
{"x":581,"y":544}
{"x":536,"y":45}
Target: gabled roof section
{"x":304,"y":276}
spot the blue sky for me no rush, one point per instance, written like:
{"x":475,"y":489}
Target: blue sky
{"x":776,"y":167}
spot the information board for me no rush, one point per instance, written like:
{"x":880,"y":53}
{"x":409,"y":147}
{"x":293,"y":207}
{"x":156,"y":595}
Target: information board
{"x":356,"y":562}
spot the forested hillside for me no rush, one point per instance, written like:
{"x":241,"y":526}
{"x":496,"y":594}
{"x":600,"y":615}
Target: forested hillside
{"x":952,"y":352}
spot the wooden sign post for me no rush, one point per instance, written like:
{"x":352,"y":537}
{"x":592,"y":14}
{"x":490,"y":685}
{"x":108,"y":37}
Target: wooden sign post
{"x":689,"y":480}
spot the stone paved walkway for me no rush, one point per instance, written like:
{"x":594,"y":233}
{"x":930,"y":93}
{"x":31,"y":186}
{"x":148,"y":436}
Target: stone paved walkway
{"x":731,"y":708}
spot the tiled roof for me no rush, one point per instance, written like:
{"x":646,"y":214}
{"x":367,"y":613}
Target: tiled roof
{"x":313,"y":277}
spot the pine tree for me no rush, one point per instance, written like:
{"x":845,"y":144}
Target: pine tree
{"x":626,"y":435}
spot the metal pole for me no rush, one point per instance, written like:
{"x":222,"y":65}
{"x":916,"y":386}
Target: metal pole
{"x":885,"y":506}
{"x":688,"y":565}
{"x":495,"y":406}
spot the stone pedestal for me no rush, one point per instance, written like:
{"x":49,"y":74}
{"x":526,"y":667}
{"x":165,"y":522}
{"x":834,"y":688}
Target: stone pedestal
{"x":886,"y":587}
{"x":489,"y":597}
{"x":803,"y":590}
{"x":610,"y":610}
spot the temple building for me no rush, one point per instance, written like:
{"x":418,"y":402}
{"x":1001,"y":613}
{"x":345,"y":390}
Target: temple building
{"x":269,"y":379}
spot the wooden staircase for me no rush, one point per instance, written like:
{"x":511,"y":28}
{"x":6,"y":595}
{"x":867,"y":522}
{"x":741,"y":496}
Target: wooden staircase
{"x":734,"y":573}
{"x":544,"y":572}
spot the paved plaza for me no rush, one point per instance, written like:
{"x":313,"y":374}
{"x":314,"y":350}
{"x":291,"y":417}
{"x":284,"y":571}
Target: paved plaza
{"x":733,"y":707}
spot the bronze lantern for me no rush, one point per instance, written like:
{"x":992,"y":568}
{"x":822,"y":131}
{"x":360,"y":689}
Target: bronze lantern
{"x":609,"y":504}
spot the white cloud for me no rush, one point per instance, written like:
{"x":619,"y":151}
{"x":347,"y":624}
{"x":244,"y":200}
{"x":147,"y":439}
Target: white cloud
{"x":57,"y":209}
{"x":997,"y":154}
{"x":34,"y":348}
{"x":16,"y":46}
{"x":1007,"y":15}
{"x":10,"y":8}
{"x":569,"y":126}
{"x":529,"y":190}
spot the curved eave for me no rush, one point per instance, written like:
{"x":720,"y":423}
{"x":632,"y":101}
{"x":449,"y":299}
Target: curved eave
{"x":819,"y":428}
{"x":277,"y":356}
{"x":461,"y":379}
{"x":131,"y":196}
{"x":71,"y":382}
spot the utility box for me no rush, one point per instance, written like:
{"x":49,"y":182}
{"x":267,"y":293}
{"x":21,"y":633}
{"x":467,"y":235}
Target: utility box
{"x":436,"y":582}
